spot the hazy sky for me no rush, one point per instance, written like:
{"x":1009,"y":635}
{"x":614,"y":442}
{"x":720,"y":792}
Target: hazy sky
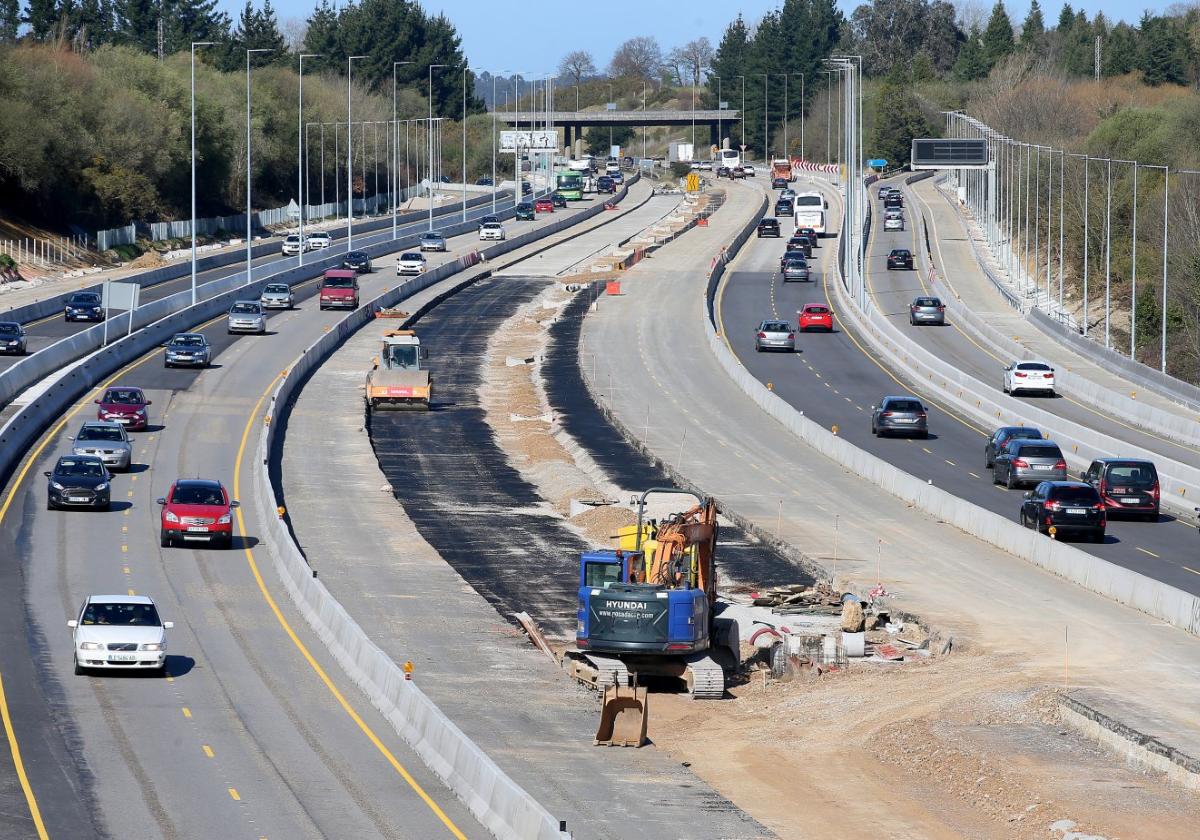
{"x":493,"y":32}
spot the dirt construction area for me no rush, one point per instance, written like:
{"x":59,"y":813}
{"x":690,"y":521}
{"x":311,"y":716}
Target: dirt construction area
{"x":949,"y":746}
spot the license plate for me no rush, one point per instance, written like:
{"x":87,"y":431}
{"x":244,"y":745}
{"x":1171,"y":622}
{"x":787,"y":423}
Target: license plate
{"x":122,"y":657}
{"x":905,"y":420}
{"x":1076,"y":511}
{"x":1043,"y":467}
{"x":1130,"y":501}
{"x":198,"y":529}
{"x":79,"y":499}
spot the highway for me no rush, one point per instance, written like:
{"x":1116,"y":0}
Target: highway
{"x":45,"y":331}
{"x":835,"y":379}
{"x":256,"y":732}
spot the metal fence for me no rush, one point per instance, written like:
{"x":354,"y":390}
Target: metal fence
{"x":106,"y":239}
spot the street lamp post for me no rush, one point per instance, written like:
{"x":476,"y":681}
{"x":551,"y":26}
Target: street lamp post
{"x":430,"y":165}
{"x":785,"y":113}
{"x":395,"y":149}
{"x":249,"y":238}
{"x":350,"y":157}
{"x":194,"y":45}
{"x":643,"y":121}
{"x":610,"y":128}
{"x":766,"y":108}
{"x":300,"y":154}
{"x":803,"y":110}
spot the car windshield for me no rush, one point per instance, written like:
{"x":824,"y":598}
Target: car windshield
{"x":1039,"y":450}
{"x":1074,"y":495}
{"x":1132,"y":474}
{"x":356,"y":255}
{"x":795,"y":264}
{"x":1018,"y":434}
{"x":125,"y":396}
{"x":100,"y":433}
{"x":1032,"y":366}
{"x":809,"y":201}
{"x":903,"y":405}
{"x":89,"y":299}
{"x":9,"y":328}
{"x":276,"y":289}
{"x":188,"y":341}
{"x":245,"y":309}
{"x":322,"y":236}
{"x":77,"y":467}
{"x":293,"y":239}
{"x":776,"y":326}
{"x":194,"y":494}
{"x":411,"y":255}
{"x":794,"y":255}
{"x":492,"y":225}
{"x":339,"y":282}
{"x":431,"y":236}
{"x":130,"y":615}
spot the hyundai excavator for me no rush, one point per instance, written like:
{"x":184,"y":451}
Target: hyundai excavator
{"x":648,"y":608}
{"x":396,"y":379}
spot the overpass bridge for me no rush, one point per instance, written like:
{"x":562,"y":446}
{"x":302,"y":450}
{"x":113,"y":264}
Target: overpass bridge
{"x":573,"y":122}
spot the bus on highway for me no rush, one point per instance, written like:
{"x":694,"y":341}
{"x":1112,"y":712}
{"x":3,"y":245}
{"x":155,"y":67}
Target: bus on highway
{"x":570,"y":185}
{"x":810,"y":210}
{"x":729,"y":157}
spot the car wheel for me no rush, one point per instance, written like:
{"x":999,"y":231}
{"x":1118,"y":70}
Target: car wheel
{"x":163,"y":539}
{"x":924,"y":435}
{"x":1004,"y":387}
{"x":995,"y":476}
{"x":106,"y":507}
{"x":1097,"y":536}
{"x":78,"y":668}
{"x":1024,"y":519}
{"x":987,"y":462}
{"x":1008,"y":481}
{"x":50,"y":505}
{"x":225,"y":543}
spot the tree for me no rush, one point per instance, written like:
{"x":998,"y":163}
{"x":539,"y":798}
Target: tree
{"x":1121,"y":48}
{"x":194,"y":20}
{"x":1079,"y":47}
{"x":729,"y":59}
{"x":597,"y":139}
{"x":898,"y":119}
{"x":10,"y":20}
{"x":971,"y":64}
{"x":1164,"y":55}
{"x":321,"y":37}
{"x":697,"y":55}
{"x":888,"y":33}
{"x":1033,"y":30}
{"x":998,"y":37}
{"x":1066,"y":19}
{"x":637,"y":58}
{"x":577,"y":64}
{"x":137,"y":24}
{"x":42,"y":16}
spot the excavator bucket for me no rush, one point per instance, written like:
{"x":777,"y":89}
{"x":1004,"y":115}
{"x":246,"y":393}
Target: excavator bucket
{"x":622,"y":717}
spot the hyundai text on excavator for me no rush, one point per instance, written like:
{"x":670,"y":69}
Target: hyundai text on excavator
{"x":396,"y":379}
{"x":648,"y":608}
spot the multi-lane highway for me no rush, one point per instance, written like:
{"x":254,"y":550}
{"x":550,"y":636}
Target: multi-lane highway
{"x":256,"y":732}
{"x":836,"y":379}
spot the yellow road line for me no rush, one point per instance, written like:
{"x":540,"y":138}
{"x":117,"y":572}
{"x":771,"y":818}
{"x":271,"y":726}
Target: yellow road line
{"x":187,"y":713}
{"x":30,"y":800}
{"x":234,"y":795}
{"x":300,"y":646}
{"x":208,"y":751}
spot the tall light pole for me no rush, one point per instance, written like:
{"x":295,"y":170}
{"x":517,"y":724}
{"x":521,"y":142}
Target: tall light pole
{"x":742,"y":117}
{"x":494,"y":106}
{"x":610,"y":130}
{"x":430,"y":165}
{"x":803,"y":109}
{"x":785,"y":113}
{"x":766,"y":142}
{"x":720,"y":126}
{"x":350,"y":59}
{"x":249,"y":238}
{"x":828,"y":114}
{"x":395,"y":148}
{"x":194,"y":45}
{"x":643,"y":120}
{"x":464,"y":145}
{"x":300,"y":154}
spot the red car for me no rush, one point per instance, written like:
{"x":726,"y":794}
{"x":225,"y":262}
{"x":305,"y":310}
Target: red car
{"x":815,"y":316}
{"x":196,"y":510}
{"x":126,"y":406}
{"x":543,"y":205}
{"x":339,"y":287}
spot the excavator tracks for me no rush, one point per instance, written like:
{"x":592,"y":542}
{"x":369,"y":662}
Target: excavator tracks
{"x":705,"y":677}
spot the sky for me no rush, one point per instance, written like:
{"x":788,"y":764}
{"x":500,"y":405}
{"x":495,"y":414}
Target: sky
{"x":493,"y":32}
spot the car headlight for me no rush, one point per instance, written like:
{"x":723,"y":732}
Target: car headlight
{"x":170,"y":516}
{"x":102,"y":486}
{"x":153,"y":646}
{"x":56,"y":485}
{"x":141,"y":411}
{"x":225,"y":519}
{"x":90,"y":646}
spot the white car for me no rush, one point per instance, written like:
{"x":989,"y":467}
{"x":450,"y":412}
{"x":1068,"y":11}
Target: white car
{"x":293,"y":245}
{"x":318,"y":240}
{"x":491,"y":230}
{"x":706,"y":165}
{"x":411,"y":262}
{"x":748,"y":170}
{"x":119,"y":631}
{"x":788,"y":193}
{"x":1029,"y":376}
{"x":893,"y":221}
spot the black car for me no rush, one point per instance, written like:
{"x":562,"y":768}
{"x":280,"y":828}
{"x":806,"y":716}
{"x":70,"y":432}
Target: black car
{"x":783,"y":207}
{"x":558,"y":200}
{"x":526,"y":189}
{"x":525,"y":212}
{"x":1067,"y":507}
{"x":1000,"y":438}
{"x":483,"y":182}
{"x":800,"y":242}
{"x":78,"y":481}
{"x":900,"y":258}
{"x":12,"y":338}
{"x":792,"y":254}
{"x":893,"y":201}
{"x":357,"y":261}
{"x":83,"y":306}
{"x":811,"y":233}
{"x":724,"y":172}
{"x":489,"y":218}
{"x":605,"y":184}
{"x":768,"y":227}
{"x":779,"y":183}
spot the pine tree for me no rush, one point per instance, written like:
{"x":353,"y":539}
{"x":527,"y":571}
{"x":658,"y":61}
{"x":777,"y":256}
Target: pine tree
{"x":10,"y":20}
{"x":971,"y":64}
{"x":321,"y":36}
{"x":1163,"y":58}
{"x":898,"y":119}
{"x":42,"y":17}
{"x":1033,"y":30}
{"x":137,"y":24}
{"x":1120,"y":51}
{"x":194,"y":20}
{"x":1066,"y":19}
{"x":998,"y":37}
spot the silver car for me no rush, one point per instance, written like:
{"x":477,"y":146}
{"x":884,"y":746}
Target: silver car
{"x":796,"y":270}
{"x":107,"y":441}
{"x":893,"y":221}
{"x":246,"y":316}
{"x":1029,"y":462}
{"x":433,"y":241}
{"x":899,"y":414}
{"x":190,"y":349}
{"x":277,"y":296}
{"x":775,"y":335}
{"x":927,"y":310}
